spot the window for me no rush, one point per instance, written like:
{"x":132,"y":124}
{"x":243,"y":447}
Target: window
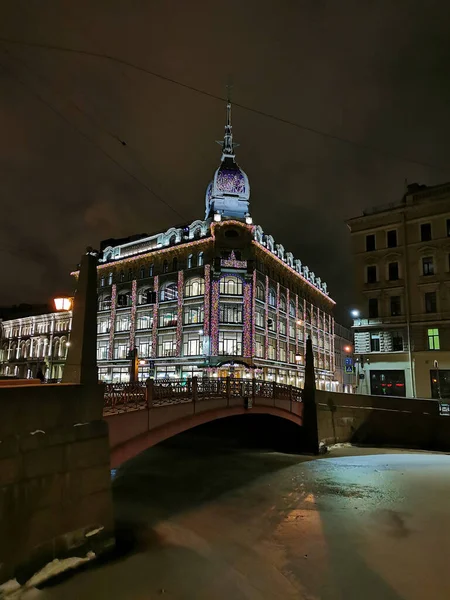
{"x":292,"y":308}
{"x":430,"y":302}
{"x":271,"y":323}
{"x":103,"y":325}
{"x":123,"y":323}
{"x":168,"y":318}
{"x":102,"y":350}
{"x":192,"y":344}
{"x":124,"y":299}
{"x":272,"y":297}
{"x":448,"y":227}
{"x":130,"y":274}
{"x":194,"y":287}
{"x":427,"y":265}
{"x":193,"y":314}
{"x":397,"y":341}
{"x":121,"y":349}
{"x":433,"y":339}
{"x":373,"y":308}
{"x":110,"y":279}
{"x":122,"y":276}
{"x":375,"y":342}
{"x":231,"y":313}
{"x":393,"y":271}
{"x":387,"y":383}
{"x":141,"y":273}
{"x":102,"y":282}
{"x":144,"y":320}
{"x":169,"y":292}
{"x":272,"y":349}
{"x":189,"y":261}
{"x":392,"y":238}
{"x":230,"y":286}
{"x":175,"y":264}
{"x":259,"y":318}
{"x":260,"y":294}
{"x":104,"y":303}
{"x":146,"y":296}
{"x":371,"y":274}
{"x":282,"y":324}
{"x":144,"y":346}
{"x":425,"y":232}
{"x":230,"y":343}
{"x":283,"y":302}
{"x":165,"y":267}
{"x":396,"y":306}
{"x":150,"y":271}
{"x":282,"y":356}
{"x":200,"y":259}
{"x":167,"y":345}
{"x":370,"y":242}
{"x":259,"y":346}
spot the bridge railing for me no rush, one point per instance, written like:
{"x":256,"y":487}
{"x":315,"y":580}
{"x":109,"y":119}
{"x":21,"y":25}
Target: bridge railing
{"x":124,"y":397}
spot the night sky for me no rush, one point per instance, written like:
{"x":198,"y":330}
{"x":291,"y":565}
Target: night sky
{"x":374,"y":72}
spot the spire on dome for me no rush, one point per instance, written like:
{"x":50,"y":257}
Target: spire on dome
{"x":228,"y":146}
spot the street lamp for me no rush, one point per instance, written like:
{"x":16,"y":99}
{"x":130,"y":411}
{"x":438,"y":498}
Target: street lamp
{"x":355,"y":313}
{"x":62,"y":303}
{"x":298,"y":358}
{"x":347,"y":349}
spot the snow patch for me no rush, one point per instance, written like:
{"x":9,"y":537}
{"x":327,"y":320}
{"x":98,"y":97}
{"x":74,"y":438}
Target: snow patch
{"x":37,"y":431}
{"x":9,"y":587}
{"x":81,"y":424}
{"x":94,"y":531}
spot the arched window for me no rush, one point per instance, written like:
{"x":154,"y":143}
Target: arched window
{"x":194,"y":287}
{"x":122,"y":276}
{"x":55,"y":347}
{"x":283,"y":302}
{"x":169,"y":292}
{"x":110,"y":278}
{"x":104,"y":303}
{"x":175,"y":264}
{"x":230,"y":286}
{"x":150,"y":271}
{"x":23,"y":350}
{"x":292,"y":308}
{"x":260,"y":292}
{"x":200,"y":259}
{"x":189,"y":261}
{"x":142,"y":273}
{"x":130,"y":274}
{"x":102,"y":282}
{"x":272,"y":297}
{"x":165,"y":267}
{"x":62,"y":347}
{"x":123,"y":299}
{"x":146,"y":296}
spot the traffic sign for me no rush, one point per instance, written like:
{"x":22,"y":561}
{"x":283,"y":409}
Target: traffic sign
{"x":348,"y":368}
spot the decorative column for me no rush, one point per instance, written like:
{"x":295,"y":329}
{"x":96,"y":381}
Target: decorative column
{"x":266,"y":341}
{"x":248,"y":320}
{"x":155,"y":317}
{"x":180,"y":289}
{"x":288,"y":323}
{"x":207,"y":305}
{"x":253,"y":333}
{"x":296,"y":326}
{"x":278,"y":323}
{"x":215,"y":309}
{"x":113,"y":321}
{"x":133,"y":314}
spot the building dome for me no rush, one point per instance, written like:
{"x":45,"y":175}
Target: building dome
{"x":229,"y":191}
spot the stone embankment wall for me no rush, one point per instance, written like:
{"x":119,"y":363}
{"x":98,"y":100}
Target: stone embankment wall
{"x":55,"y":485}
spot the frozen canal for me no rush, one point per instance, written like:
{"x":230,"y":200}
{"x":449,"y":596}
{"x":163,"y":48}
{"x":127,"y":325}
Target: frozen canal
{"x":232,"y":524}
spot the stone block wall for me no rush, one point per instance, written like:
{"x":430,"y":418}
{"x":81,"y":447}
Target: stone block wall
{"x":55,"y":485}
{"x":403,"y":422}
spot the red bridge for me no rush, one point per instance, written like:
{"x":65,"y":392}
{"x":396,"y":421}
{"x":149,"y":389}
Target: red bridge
{"x":141,"y":415}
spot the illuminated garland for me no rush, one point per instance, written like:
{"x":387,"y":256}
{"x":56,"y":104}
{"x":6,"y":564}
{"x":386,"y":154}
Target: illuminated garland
{"x":180,"y":312}
{"x":215,"y":319}
{"x":296,"y":327}
{"x":206,"y":312}
{"x":113,"y":321}
{"x":275,"y":257}
{"x":133,"y":313}
{"x":254,"y":313}
{"x":155,"y":316}
{"x":248,"y":320}
{"x":232,"y":263}
{"x":266,"y":341}
{"x":288,"y":325}
{"x":277,"y":355}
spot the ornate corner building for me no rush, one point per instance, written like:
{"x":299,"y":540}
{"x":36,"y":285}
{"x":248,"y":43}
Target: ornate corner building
{"x":216,"y":297}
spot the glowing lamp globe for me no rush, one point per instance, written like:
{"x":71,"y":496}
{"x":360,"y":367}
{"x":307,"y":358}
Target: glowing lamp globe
{"x":63,"y":303}
{"x":347,"y":348}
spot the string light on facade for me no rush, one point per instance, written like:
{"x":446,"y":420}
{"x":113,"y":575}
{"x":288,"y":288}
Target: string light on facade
{"x":215,"y":318}
{"x":248,"y":319}
{"x":113,"y":321}
{"x":180,"y":288}
{"x":133,"y":313}
{"x":155,"y":316}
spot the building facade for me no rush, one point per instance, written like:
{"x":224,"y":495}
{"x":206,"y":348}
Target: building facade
{"x":402,"y":263}
{"x":33,"y":342}
{"x":216,"y":297}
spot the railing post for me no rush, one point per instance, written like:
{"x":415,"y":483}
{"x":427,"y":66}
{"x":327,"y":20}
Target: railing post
{"x":274,"y":391}
{"x":253,"y":389}
{"x":194,"y":390}
{"x":149,"y":392}
{"x":228,"y":391}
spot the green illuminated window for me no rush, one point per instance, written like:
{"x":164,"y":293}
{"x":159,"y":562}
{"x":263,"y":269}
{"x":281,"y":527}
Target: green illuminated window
{"x":433,"y":339}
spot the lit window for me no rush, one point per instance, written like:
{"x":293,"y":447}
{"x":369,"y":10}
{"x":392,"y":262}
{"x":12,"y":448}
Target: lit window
{"x":433,"y":339}
{"x":231,"y":286}
{"x":170,"y":292}
{"x":260,"y":294}
{"x":375,"y":342}
{"x":192,"y":344}
{"x":272,"y":297}
{"x":230,"y":343}
{"x":193,"y":314}
{"x":195,"y":287}
{"x":200,"y":259}
{"x":231,"y":313}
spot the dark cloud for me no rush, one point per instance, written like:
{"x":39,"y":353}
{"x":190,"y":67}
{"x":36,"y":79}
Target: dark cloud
{"x":375,"y":72}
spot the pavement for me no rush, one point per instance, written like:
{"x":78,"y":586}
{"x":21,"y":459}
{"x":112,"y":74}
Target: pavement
{"x":206,"y":523}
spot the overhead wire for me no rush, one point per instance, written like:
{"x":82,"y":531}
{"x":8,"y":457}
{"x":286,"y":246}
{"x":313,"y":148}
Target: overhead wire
{"x":289,"y":122}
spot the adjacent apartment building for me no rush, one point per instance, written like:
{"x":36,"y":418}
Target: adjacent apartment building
{"x":402,"y":264}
